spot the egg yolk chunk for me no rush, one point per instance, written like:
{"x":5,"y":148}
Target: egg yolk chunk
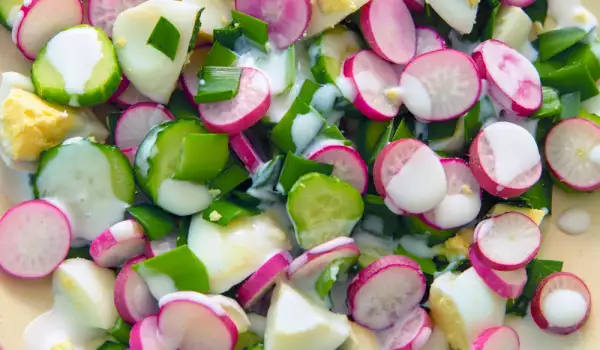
{"x":329,"y":6}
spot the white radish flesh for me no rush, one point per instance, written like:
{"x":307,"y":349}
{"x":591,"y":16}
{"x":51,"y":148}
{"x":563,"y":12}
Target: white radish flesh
{"x":561,"y":303}
{"x":571,"y":151}
{"x":459,"y":14}
{"x":385,"y":291}
{"x":440,"y":85}
{"x":189,"y":77}
{"x":135,"y":123}
{"x":263,"y":279}
{"x":120,"y":242}
{"x":316,"y":259}
{"x":34,"y":239}
{"x":428,"y":39}
{"x":507,"y":284}
{"x":127,"y":95}
{"x":103,"y":13}
{"x":160,"y":246}
{"x":347,"y":163}
{"x":505,"y":159}
{"x":133,"y":299}
{"x":409,"y":333}
{"x":497,"y":338}
{"x":145,"y":336}
{"x":246,"y":153}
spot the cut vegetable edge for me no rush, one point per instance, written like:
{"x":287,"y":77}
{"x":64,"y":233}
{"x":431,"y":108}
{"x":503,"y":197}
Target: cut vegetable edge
{"x":428,"y":39}
{"x":127,"y":95}
{"x":411,"y":332}
{"x":119,"y":243}
{"x":245,"y":151}
{"x":263,"y":279}
{"x":137,"y":120}
{"x":160,"y":246}
{"x":347,"y":163}
{"x":103,"y":13}
{"x":145,"y":335}
{"x":507,"y":284}
{"x":189,"y":77}
{"x":415,"y":5}
{"x":132,"y":297}
{"x":502,"y":337}
{"x":318,"y":258}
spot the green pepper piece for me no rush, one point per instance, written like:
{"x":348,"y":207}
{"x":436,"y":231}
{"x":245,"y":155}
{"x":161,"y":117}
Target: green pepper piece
{"x":156,"y":222}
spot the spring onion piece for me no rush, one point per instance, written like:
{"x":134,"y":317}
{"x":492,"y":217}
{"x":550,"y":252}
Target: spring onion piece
{"x":336,"y":271}
{"x":297,"y":128}
{"x":181,"y":107}
{"x":434,"y":236}
{"x":427,"y":265}
{"x":220,"y":56}
{"x":203,"y":157}
{"x":111,"y":122}
{"x":156,"y":222}
{"x":333,"y":132}
{"x":222,"y":212}
{"x":584,"y":54}
{"x":218,"y":84}
{"x":165,"y":38}
{"x":442,"y":130}
{"x":570,"y":78}
{"x":230,"y":178}
{"x":294,"y":167}
{"x":403,"y":131}
{"x":472,"y":122}
{"x":254,"y":28}
{"x":375,"y":207}
{"x":383,"y":140}
{"x":308,"y":90}
{"x":120,"y":331}
{"x":229,"y":35}
{"x":183,"y":228}
{"x":551,"y":106}
{"x":109,"y":345}
{"x":571,"y":104}
{"x":556,"y":41}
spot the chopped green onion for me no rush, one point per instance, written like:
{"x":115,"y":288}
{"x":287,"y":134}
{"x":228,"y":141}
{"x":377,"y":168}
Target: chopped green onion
{"x":165,"y":38}
{"x":584,"y":54}
{"x":384,"y":139}
{"x":442,"y":130}
{"x":538,"y":11}
{"x":368,"y":136}
{"x":183,"y":228}
{"x":230,"y":178}
{"x":195,"y":31}
{"x":181,"y":107}
{"x":295,"y":166}
{"x":254,"y":28}
{"x":218,"y":84}
{"x":472,"y":122}
{"x":156,"y":222}
{"x":120,"y":331}
{"x":337,"y":270}
{"x":228,"y":36}
{"x":247,"y":341}
{"x":427,"y":265}
{"x":403,"y":131}
{"x":220,"y":56}
{"x":111,"y":123}
{"x":556,"y":41}
{"x":551,"y":106}
{"x":222,"y":212}
{"x":109,"y":345}
{"x":282,"y":132}
{"x":308,"y":90}
{"x":334,"y":133}
{"x":571,"y":78}
{"x":570,"y":105}
{"x":203,"y":157}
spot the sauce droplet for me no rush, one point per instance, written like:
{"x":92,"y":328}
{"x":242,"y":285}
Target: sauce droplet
{"x":574,"y":221}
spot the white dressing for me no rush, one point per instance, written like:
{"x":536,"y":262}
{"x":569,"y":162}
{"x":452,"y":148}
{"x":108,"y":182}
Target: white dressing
{"x":594,"y":155}
{"x":571,"y":14}
{"x":553,"y":308}
{"x":278,"y":66}
{"x":347,"y":87}
{"x":532,"y":337}
{"x":324,"y":98}
{"x":456,"y":210}
{"x":305,"y":128}
{"x":183,"y":197}
{"x":417,"y":246}
{"x":416,"y":96}
{"x":159,"y":283}
{"x":574,"y":221}
{"x":282,"y":103}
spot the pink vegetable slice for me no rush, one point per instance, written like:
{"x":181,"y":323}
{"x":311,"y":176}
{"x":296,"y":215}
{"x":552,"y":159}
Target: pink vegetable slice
{"x":507,"y":242}
{"x":572,"y":151}
{"x":244,"y":110}
{"x":513,"y":81}
{"x":507,"y":284}
{"x":415,"y":5}
{"x":192,"y":321}
{"x":39,"y":20}
{"x":160,"y":246}
{"x":246,"y":152}
{"x":255,"y":287}
{"x":189,"y":77}
{"x":145,"y":336}
{"x":440,"y":85}
{"x":505,"y":159}
{"x":34,"y":239}
{"x":347,"y":163}
{"x":127,"y":95}
{"x":410,"y":333}
{"x":120,"y":242}
{"x":287,"y":19}
{"x":428,"y":40}
{"x":371,"y":76}
{"x":388,"y":27}
{"x":133,"y":299}
{"x":518,"y":3}
{"x":386,"y":291}
{"x":135,"y":123}
{"x":561,"y":303}
{"x":103,"y":13}
{"x":409,"y":176}
{"x":497,"y":338}
{"x":316,"y":259}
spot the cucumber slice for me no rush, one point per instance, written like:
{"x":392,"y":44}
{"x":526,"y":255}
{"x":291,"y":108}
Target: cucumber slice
{"x":330,"y":50}
{"x":156,"y":163}
{"x":78,"y":67}
{"x":93,"y":182}
{"x":8,"y":12}
{"x":323,"y":207}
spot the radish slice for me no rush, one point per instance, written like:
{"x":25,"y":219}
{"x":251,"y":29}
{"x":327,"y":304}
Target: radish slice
{"x":34,"y":239}
{"x":192,"y":321}
{"x":244,"y":110}
{"x":561,"y":303}
{"x":518,"y":3}
{"x":508,"y":241}
{"x":415,"y":5}
{"x":409,"y":333}
{"x":428,"y":40}
{"x":410,"y":176}
{"x":144,"y":335}
{"x":128,"y":95}
{"x":189,"y":77}
{"x":160,"y":246}
{"x":573,"y":153}
{"x":246,"y":152}
{"x":133,"y":299}
{"x":103,"y":13}
{"x":255,"y":287}
{"x":121,"y":89}
{"x":234,"y":310}
{"x":316,"y":259}
{"x":371,"y":76}
{"x":388,"y":27}
{"x":34,"y":27}
{"x":505,"y":159}
{"x":462,"y":202}
{"x":497,"y":338}
{"x":507,"y":284}
{"x":513,"y":81}
{"x":287,"y":19}
{"x":347,"y":163}
{"x":120,"y":242}
{"x":135,"y":123}
{"x":385,"y":291}
{"x":440,"y":85}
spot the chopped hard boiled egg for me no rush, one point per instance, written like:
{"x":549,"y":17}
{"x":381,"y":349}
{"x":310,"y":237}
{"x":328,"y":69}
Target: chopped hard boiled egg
{"x":328,"y":13}
{"x":534,"y":214}
{"x":360,"y":338}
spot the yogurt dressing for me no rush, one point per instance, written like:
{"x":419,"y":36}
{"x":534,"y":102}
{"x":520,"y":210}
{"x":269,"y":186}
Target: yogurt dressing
{"x":574,"y":221}
{"x":417,"y":246}
{"x":159,"y":284}
{"x":571,"y":14}
{"x":305,"y":128}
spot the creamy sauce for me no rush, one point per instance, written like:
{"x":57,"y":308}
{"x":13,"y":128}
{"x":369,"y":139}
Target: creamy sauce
{"x":571,"y":14}
{"x":373,"y":223}
{"x":324,"y":99}
{"x":574,"y":221}
{"x":553,"y":307}
{"x":532,"y":337}
{"x":15,"y":186}
{"x":159,"y":284}
{"x":282,"y":103}
{"x":347,"y":87}
{"x":594,"y":155}
{"x":417,"y":246}
{"x":305,"y":128}
{"x":416,"y":96}
{"x":183,"y":197}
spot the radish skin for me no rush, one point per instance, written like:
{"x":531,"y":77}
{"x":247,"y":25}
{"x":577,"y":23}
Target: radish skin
{"x":246,"y":152}
{"x":120,"y":242}
{"x":518,"y":3}
{"x":428,"y":40}
{"x":409,"y":333}
{"x":127,"y":95}
{"x":503,"y":337}
{"x":316,"y":259}
{"x":263,"y":279}
{"x":160,"y":246}
{"x":415,"y":5}
{"x":145,"y":336}
{"x":133,"y":299}
{"x":103,"y":13}
{"x":347,"y":163}
{"x":507,"y":284}
{"x":135,"y":123}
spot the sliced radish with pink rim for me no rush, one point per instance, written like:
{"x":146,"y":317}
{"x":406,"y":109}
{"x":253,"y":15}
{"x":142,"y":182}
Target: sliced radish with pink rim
{"x":246,"y":152}
{"x":428,"y":40}
{"x":386,"y":291}
{"x":440,"y":85}
{"x":316,"y":259}
{"x":135,"y":123}
{"x":410,"y":333}
{"x":561,"y":303}
{"x":192,"y":321}
{"x":189,"y":77}
{"x":388,"y":27}
{"x":121,"y":89}
{"x":347,"y":163}
{"x":103,"y":13}
{"x":505,"y":159}
{"x":507,"y":284}
{"x":249,"y":105}
{"x":120,"y":242}
{"x":34,"y":239}
{"x":34,"y":26}
{"x":513,"y":81}
{"x":255,"y":287}
{"x":507,"y":242}
{"x":497,"y":338}
{"x":409,"y":175}
{"x":518,"y":3}
{"x":287,"y":19}
{"x":415,"y":5}
{"x":145,"y":336}
{"x":160,"y":246}
{"x":371,"y":76}
{"x":128,"y":95}
{"x":133,"y":299}
{"x":572,"y":151}
{"x":462,"y":202}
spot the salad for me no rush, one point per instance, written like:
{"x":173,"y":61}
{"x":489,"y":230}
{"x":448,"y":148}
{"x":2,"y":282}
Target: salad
{"x":295,"y":174}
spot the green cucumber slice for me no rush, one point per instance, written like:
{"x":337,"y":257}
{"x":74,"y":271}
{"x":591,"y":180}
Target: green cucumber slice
{"x":323,"y":207}
{"x":78,"y":67}
{"x":337,"y":270}
{"x":8,"y":12}
{"x":294,"y":167}
{"x":156,"y":222}
{"x":551,"y":106}
{"x":330,"y":50}
{"x":230,"y":178}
